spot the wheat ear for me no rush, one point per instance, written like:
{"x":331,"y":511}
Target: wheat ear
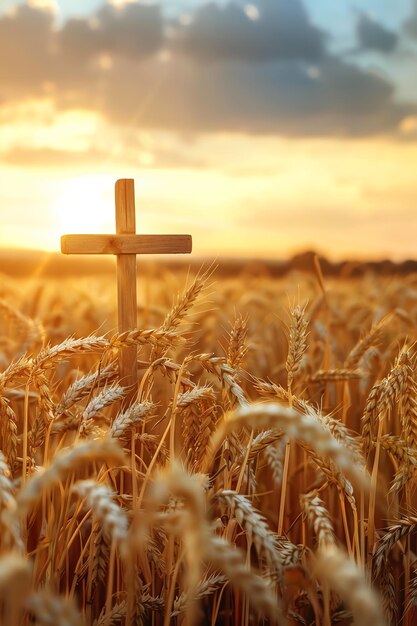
{"x":205,"y":588}
{"x":125,"y":422}
{"x":255,"y":525}
{"x":365,"y":343}
{"x":99,"y":498}
{"x":297,"y":342}
{"x":64,"y":463}
{"x":237,"y":347}
{"x":296,"y":426}
{"x":335,"y":569}
{"x":318,"y":518}
{"x":402,"y":528}
{"x":52,"y":610}
{"x":100,"y":401}
{"x":82,"y":388}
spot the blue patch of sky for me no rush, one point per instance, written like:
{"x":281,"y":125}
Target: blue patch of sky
{"x":86,"y":7}
{"x":339,"y":18}
{"x":83,"y":8}
{"x":336,"y":17}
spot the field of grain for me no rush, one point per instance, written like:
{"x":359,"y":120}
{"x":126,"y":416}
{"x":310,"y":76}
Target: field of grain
{"x":264,"y":474}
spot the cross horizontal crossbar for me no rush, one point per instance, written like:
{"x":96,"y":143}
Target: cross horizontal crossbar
{"x":126,"y":244}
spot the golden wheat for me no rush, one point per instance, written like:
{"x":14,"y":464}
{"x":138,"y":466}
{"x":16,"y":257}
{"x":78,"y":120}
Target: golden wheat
{"x":167,"y":511}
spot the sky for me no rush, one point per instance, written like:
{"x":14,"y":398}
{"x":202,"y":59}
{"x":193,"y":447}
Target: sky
{"x":262,"y":128}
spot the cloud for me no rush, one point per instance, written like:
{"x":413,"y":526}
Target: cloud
{"x":273,"y":29}
{"x":36,"y":56}
{"x":410,"y":25}
{"x":26,"y":50}
{"x":130,"y":152}
{"x":337,"y":99}
{"x":132,"y":30}
{"x":374,"y":36}
{"x":269,"y":75}
{"x":41,"y":157}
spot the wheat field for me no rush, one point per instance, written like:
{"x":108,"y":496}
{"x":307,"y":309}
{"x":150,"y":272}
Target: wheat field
{"x":265,"y":473}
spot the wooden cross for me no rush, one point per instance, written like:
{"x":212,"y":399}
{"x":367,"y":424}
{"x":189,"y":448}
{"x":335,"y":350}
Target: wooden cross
{"x":126,"y":244}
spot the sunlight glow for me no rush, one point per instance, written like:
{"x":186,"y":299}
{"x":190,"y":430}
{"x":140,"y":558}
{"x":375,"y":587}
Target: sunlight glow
{"x":36,"y":124}
{"x":252,"y":12}
{"x":50,"y":5}
{"x":121,"y":3}
{"x":408,"y":125}
{"x":244,"y":202}
{"x":84,"y":205}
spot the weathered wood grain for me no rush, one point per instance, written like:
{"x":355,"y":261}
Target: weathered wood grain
{"x":126,"y":244}
{"x":126,"y":284}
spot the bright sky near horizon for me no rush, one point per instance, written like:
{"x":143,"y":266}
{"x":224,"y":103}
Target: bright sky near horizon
{"x":260,"y":127}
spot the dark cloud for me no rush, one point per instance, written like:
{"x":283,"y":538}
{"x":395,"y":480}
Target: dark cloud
{"x":290,"y":99}
{"x":26,"y":49}
{"x":35,"y":56}
{"x":282,"y":93}
{"x":374,"y":36}
{"x":279,"y":29}
{"x":410,"y":25}
{"x":134,"y":30}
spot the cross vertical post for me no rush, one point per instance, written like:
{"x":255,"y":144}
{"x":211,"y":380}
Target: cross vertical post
{"x":126,"y":244}
{"x":126,"y":283}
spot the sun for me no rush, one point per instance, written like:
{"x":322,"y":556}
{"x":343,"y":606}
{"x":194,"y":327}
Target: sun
{"x":84,"y":205}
